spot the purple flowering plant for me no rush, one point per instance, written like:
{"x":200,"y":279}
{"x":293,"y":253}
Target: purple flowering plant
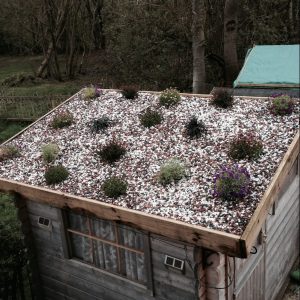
{"x":281,"y":105}
{"x":231,"y":183}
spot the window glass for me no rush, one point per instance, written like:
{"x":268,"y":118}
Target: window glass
{"x":107,"y":245}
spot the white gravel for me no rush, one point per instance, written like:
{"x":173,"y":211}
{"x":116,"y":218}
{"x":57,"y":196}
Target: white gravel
{"x":190,"y":199}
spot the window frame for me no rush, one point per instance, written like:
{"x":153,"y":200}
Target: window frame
{"x":68,"y":249}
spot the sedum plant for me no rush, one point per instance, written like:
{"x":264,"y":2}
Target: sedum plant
{"x":129,"y":91}
{"x":8,"y":152}
{"x":62,"y":119}
{"x":169,"y":97}
{"x":172,"y":171}
{"x":150,"y":118}
{"x":100,"y":124}
{"x":112,"y":152}
{"x":50,"y":152}
{"x":222,"y":98}
{"x":195,"y":129}
{"x":231,"y":183}
{"x":245,"y":146}
{"x":282,"y":105}
{"x":56,"y":174}
{"x":114,"y":187}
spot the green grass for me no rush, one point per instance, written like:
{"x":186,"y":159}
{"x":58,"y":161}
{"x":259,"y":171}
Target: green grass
{"x":9,"y":129}
{"x":44,"y":89}
{"x":10,"y":66}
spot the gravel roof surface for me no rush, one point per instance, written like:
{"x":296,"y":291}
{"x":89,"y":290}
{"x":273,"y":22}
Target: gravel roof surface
{"x":189,"y":200}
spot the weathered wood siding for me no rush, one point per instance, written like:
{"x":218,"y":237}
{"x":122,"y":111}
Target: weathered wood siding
{"x":64,"y":278}
{"x":262,"y":275}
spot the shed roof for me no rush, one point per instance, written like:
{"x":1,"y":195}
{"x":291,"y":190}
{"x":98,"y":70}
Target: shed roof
{"x":185,"y":210}
{"x":270,"y":66}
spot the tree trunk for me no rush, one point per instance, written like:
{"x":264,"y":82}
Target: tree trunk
{"x":45,"y":61}
{"x":198,"y":46}
{"x":230,"y":36}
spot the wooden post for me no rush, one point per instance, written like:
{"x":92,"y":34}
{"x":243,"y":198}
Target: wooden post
{"x":20,"y":204}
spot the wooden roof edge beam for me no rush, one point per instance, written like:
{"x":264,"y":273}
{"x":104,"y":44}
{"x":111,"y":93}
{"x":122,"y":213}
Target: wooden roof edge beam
{"x":196,"y":235}
{"x":257,"y":220}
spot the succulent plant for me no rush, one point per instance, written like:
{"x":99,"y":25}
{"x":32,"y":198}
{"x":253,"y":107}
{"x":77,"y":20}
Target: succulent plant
{"x":8,"y":152}
{"x":169,"y":97}
{"x":245,"y":146}
{"x":150,"y":118}
{"x":62,"y":119}
{"x":100,"y":124}
{"x":56,"y":174}
{"x":281,"y":105}
{"x":195,"y":128}
{"x":112,"y":152}
{"x":222,"y":98}
{"x":50,"y":152}
{"x":129,"y":91}
{"x":172,"y":171}
{"x":114,"y":187}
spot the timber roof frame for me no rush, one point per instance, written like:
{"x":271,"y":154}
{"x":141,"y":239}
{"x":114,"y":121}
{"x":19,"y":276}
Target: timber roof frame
{"x":231,"y":244}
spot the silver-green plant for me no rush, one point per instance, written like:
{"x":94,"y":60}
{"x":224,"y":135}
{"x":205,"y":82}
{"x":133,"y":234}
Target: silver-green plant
{"x":50,"y":152}
{"x":173,"y":170}
{"x":89,"y":93}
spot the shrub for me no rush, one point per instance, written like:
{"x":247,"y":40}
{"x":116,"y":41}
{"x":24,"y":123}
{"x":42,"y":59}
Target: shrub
{"x":129,"y":91}
{"x":282,"y":105}
{"x":150,"y":118}
{"x":100,"y":124}
{"x":222,"y":98}
{"x":56,"y":174}
{"x":62,"y":119}
{"x":89,"y":93}
{"x":231,"y":183}
{"x":245,"y":146}
{"x":172,"y":170}
{"x":114,"y":187}
{"x":50,"y":152}
{"x":195,"y":128}
{"x":8,"y":152}
{"x":169,"y":97}
{"x":112,"y":152}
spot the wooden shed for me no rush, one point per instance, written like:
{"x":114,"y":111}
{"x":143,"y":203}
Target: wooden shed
{"x":182,"y":245}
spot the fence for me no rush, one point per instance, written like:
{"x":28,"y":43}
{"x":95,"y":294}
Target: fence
{"x":27,"y":107}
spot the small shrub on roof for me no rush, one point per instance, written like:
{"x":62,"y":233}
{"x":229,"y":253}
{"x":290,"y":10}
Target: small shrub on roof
{"x":56,"y":174}
{"x":100,"y":124}
{"x":129,"y":91}
{"x":173,"y":170}
{"x":114,"y":187}
{"x":91,"y":92}
{"x":195,"y":129}
{"x":112,"y":152}
{"x":62,"y":119}
{"x":50,"y":152}
{"x":231,"y":183}
{"x":222,"y":98}
{"x":169,"y":97}
{"x":282,"y":105}
{"x":8,"y":152}
{"x":150,"y":118}
{"x":245,"y":146}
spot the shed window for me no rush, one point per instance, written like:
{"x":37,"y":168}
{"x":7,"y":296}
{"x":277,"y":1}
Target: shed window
{"x":108,"y":245}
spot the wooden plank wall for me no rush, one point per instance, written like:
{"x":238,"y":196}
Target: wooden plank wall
{"x":262,"y":275}
{"x":282,"y":240}
{"x":64,"y":278}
